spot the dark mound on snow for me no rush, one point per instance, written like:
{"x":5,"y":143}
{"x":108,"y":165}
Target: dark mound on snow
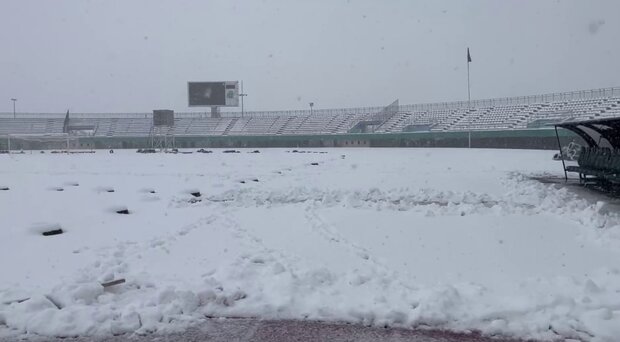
{"x":298,"y":151}
{"x":146,"y":150}
{"x":52,"y":232}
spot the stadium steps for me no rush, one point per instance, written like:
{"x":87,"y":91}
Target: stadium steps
{"x":402,"y":121}
{"x":230,"y":126}
{"x":471,"y":119}
{"x":294,"y":125}
{"x":444,"y":118}
{"x":520,"y":121}
{"x":112,"y":129}
{"x":453,"y":118}
{"x":349,"y":122}
{"x":49,"y":127}
{"x":302,"y":123}
{"x":342,"y":123}
{"x":277,"y":125}
{"x":221,"y":124}
{"x":415,"y":118}
{"x":189,"y":124}
{"x":274,"y":126}
{"x":282,"y":128}
{"x":395,"y":123}
{"x":329,"y":126}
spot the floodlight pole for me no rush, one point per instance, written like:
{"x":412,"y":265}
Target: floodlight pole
{"x":14,"y":100}
{"x":242,"y":94}
{"x":468,"y":103}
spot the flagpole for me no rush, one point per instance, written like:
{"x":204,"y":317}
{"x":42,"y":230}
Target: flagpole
{"x":468,"y":102}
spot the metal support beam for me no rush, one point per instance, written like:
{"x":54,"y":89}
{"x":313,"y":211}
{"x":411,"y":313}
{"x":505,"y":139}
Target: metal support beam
{"x":561,"y":154}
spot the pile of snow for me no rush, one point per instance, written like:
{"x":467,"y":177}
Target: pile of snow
{"x":442,"y":238}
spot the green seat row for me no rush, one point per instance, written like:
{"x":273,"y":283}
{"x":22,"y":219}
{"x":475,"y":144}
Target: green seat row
{"x":600,"y":162}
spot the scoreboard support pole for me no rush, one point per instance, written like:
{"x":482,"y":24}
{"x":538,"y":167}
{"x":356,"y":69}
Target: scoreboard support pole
{"x":162,"y":130}
{"x":215,"y":112}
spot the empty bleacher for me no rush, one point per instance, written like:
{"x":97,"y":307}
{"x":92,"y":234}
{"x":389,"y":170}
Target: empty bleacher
{"x":507,"y":116}
{"x":494,"y":114}
{"x":30,"y":126}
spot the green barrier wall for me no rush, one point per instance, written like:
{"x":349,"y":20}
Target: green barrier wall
{"x":523,"y":139}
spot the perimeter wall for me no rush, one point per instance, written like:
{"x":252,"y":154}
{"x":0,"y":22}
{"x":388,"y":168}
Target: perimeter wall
{"x":518,"y":139}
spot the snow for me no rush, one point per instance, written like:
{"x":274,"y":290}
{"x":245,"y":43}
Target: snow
{"x":442,"y":238}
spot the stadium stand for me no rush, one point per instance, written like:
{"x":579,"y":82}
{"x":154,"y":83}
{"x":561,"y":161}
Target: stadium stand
{"x":536,"y":111}
{"x":30,"y":126}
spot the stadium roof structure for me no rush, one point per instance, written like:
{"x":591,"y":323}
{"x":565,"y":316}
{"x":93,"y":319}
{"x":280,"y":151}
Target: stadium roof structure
{"x":596,"y":133}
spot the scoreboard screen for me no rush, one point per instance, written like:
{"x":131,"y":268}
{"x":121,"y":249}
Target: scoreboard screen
{"x":163,"y":117}
{"x":213,"y":94}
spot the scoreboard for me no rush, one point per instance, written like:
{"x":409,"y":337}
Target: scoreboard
{"x":213,"y":94}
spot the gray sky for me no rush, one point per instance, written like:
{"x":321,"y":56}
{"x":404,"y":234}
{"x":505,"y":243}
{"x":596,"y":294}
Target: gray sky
{"x":135,"y":56}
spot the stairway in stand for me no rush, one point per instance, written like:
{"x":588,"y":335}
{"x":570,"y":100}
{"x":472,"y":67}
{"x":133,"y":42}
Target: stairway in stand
{"x":230,"y":126}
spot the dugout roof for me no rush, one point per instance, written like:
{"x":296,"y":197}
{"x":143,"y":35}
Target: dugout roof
{"x":596,"y":133}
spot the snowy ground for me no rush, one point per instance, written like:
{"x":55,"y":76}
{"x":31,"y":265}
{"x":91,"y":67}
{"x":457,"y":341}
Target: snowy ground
{"x":443,"y":238}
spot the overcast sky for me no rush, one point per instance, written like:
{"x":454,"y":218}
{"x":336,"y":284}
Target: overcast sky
{"x":135,"y":56}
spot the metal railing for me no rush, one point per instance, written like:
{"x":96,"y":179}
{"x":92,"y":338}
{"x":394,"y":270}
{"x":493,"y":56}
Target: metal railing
{"x":518,"y":100}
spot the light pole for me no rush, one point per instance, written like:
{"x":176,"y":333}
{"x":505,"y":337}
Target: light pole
{"x":311,"y":105}
{"x":468,"y":102}
{"x":242,"y":94}
{"x":14,"y":100}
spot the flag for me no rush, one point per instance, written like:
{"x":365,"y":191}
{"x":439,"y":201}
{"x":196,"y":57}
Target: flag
{"x":468,"y":56}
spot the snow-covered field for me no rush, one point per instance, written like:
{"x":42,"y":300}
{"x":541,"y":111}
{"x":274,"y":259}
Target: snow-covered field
{"x":444,"y":238}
